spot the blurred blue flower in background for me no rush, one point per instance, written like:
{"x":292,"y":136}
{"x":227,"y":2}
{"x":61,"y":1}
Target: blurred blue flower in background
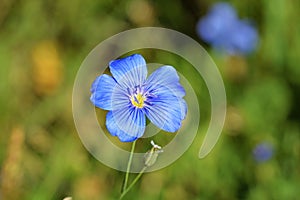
{"x":130,"y":97}
{"x":222,"y":29}
{"x":217,"y":22}
{"x":263,"y":152}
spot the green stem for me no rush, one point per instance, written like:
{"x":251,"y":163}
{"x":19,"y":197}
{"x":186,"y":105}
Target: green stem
{"x":128,"y":166}
{"x":133,"y":183}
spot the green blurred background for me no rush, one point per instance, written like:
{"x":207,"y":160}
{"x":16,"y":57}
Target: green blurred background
{"x":42,"y":44}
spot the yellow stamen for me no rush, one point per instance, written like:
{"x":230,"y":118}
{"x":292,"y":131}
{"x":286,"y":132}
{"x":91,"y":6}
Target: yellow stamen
{"x":138,"y":100}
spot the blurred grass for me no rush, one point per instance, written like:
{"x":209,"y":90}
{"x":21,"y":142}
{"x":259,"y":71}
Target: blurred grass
{"x":42,"y":44}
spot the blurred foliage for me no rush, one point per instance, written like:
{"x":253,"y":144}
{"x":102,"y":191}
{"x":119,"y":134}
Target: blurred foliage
{"x":42,"y":44}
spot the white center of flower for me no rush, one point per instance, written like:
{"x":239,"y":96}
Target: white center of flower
{"x":138,"y":100}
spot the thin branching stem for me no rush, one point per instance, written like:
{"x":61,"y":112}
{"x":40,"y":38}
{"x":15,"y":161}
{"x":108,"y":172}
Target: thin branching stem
{"x":133,"y":183}
{"x":128,"y":166}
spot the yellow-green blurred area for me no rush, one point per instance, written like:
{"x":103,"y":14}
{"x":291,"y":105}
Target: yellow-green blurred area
{"x":42,"y":45}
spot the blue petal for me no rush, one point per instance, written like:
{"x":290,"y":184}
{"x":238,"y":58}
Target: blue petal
{"x":127,"y":124}
{"x":245,"y":38}
{"x":162,"y":78}
{"x":166,"y":110}
{"x":217,"y":23}
{"x":101,"y":90}
{"x":130,"y":71}
{"x":224,"y":10}
{"x":183,"y":107}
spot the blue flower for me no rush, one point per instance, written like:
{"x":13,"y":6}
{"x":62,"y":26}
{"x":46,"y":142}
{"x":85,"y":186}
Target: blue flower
{"x":262,"y":152}
{"x":130,"y":96}
{"x":225,"y":32}
{"x":218,"y":21}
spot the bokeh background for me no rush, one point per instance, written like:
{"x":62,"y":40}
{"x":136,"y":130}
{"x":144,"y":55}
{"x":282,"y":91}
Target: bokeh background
{"x":42,"y":44}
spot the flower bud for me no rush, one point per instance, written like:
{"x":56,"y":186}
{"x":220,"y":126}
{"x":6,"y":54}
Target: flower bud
{"x":152,"y":154}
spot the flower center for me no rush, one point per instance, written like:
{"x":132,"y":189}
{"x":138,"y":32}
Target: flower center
{"x":137,"y":100}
